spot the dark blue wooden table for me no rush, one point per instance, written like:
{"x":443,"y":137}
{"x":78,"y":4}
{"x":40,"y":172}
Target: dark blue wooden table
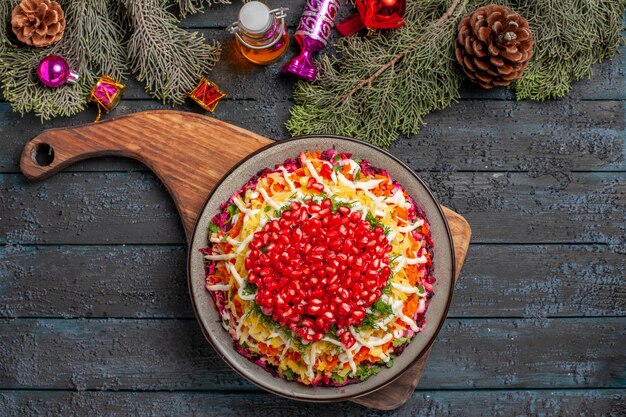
{"x":96,"y":319}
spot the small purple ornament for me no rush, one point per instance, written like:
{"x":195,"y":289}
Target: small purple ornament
{"x":313,"y":31}
{"x":53,"y":71}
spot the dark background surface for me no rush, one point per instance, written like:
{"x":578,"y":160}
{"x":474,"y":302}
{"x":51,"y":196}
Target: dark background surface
{"x":95,"y":318}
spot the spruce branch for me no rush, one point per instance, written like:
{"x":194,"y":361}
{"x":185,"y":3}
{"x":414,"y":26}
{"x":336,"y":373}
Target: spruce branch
{"x":92,"y":42}
{"x":397,"y":57}
{"x":570,"y":36}
{"x":408,"y":72}
{"x":168,"y":59}
{"x":5,"y":15}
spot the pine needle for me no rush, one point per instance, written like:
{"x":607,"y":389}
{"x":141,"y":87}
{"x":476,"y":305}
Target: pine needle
{"x":570,"y":36}
{"x":168,"y":59}
{"x":188,"y":7}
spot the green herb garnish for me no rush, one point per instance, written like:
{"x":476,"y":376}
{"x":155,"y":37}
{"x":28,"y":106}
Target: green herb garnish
{"x":213,"y":228}
{"x":332,"y":332}
{"x":249,"y":289}
{"x":336,"y":204}
{"x":400,"y":341}
{"x":382,"y":307}
{"x":338,"y":378}
{"x":232,"y":209}
{"x":374,"y":222}
{"x":368,"y":323}
{"x":387,"y":289}
{"x":357,"y":174}
{"x":266,"y":208}
{"x":363,"y":372}
{"x":288,"y":374}
{"x":279,"y":212}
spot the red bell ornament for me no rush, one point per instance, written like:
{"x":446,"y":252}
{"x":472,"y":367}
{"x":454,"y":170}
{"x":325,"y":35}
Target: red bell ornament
{"x":374,"y":14}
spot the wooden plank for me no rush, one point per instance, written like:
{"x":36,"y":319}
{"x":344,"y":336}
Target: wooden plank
{"x":150,"y":282}
{"x":173,"y":355}
{"x":100,"y":281}
{"x":555,"y":136}
{"x":105,"y":208}
{"x":423,"y":403}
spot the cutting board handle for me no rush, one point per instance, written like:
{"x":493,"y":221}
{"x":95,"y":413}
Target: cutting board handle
{"x":188,"y":152}
{"x":56,"y":149}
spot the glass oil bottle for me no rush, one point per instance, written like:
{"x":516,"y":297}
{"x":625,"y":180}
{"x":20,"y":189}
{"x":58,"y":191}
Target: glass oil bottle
{"x":260,"y":33}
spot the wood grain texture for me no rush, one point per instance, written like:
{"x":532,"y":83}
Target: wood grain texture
{"x":422,"y":403}
{"x":150,"y":282}
{"x":476,"y":135}
{"x":189,"y":154}
{"x":113,"y":354}
{"x":134,"y":208}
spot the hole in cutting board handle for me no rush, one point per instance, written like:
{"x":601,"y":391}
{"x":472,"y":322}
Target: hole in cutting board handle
{"x":43,"y":154}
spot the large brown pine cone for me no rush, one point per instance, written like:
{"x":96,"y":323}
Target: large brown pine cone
{"x":494,"y":45}
{"x":38,"y":22}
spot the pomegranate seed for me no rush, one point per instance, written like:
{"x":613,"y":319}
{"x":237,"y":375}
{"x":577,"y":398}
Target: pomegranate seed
{"x":324,"y":213}
{"x":314,"y":208}
{"x":345,"y":309}
{"x":347,"y":340}
{"x":343,"y":210}
{"x":358,"y":315}
{"x":313,"y":310}
{"x":315,"y":302}
{"x":318,"y":187}
{"x":329,"y":266}
{"x":328,"y":315}
{"x":320,"y":322}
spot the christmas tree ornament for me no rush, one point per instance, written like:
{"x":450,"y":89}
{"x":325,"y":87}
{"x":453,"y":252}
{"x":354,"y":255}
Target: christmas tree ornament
{"x":38,"y":22}
{"x":54,"y":71}
{"x":207,"y":94}
{"x":312,"y":35}
{"x":261,"y":34}
{"x":494,"y":46}
{"x":374,"y":14}
{"x":106,"y":94}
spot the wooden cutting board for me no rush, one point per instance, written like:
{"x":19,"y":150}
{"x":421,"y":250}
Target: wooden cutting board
{"x":189,"y":153}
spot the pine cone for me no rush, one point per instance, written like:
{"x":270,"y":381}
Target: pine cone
{"x":38,"y":22}
{"x":494,"y":46}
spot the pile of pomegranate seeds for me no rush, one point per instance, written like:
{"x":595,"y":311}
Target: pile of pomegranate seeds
{"x":314,"y":269}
